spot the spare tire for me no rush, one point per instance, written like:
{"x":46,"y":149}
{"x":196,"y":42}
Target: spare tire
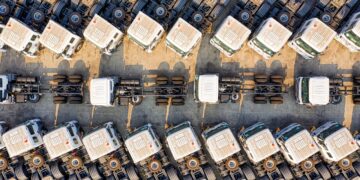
{"x":75,"y":18}
{"x":4,"y":9}
{"x":118,"y":13}
{"x":38,"y":16}
{"x":56,"y":171}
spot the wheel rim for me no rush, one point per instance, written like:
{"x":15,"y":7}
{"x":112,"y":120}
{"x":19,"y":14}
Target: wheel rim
{"x":75,"y":18}
{"x":198,"y":17}
{"x":3,"y":163}
{"x":3,"y":9}
{"x":193,"y":163}
{"x":160,"y":11}
{"x":118,"y":13}
{"x":307,"y":165}
{"x":76,"y":162}
{"x":114,"y":164}
{"x":345,"y":163}
{"x":245,"y":16}
{"x":38,"y":16}
{"x":232,"y":164}
{"x":284,"y":18}
{"x":154,"y":166}
{"x":326,"y":18}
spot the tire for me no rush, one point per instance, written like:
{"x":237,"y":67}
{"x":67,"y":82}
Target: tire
{"x":285,"y":172}
{"x":131,"y":172}
{"x":75,"y":102}
{"x":95,"y":9}
{"x":249,"y":174}
{"x":59,"y":98}
{"x":75,"y":98}
{"x":356,"y":100}
{"x":94,"y":172}
{"x":6,"y":9}
{"x":161,"y":101}
{"x":75,"y":78}
{"x":323,"y":171}
{"x":35,"y":176}
{"x":277,"y":79}
{"x":172,"y":174}
{"x":209,"y":173}
{"x":33,"y":98}
{"x":356,"y":166}
{"x":259,"y":99}
{"x":339,"y":177}
{"x":20,"y":173}
{"x":136,"y":100}
{"x":187,"y":177}
{"x":162,"y":80}
{"x":58,"y":7}
{"x":72,"y":177}
{"x":4,"y":163}
{"x":59,"y":101}
{"x":59,"y":76}
{"x":178,"y":80}
{"x":259,"y":78}
{"x":276,"y":102}
{"x":56,"y":171}
{"x":260,"y":102}
{"x":357,"y":80}
{"x":130,"y":82}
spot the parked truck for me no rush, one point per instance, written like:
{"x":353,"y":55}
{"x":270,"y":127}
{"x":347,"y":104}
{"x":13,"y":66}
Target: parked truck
{"x":7,"y":170}
{"x":7,"y":12}
{"x":25,"y":147}
{"x":147,"y":153}
{"x":67,"y":156}
{"x":349,"y":34}
{"x":301,"y":152}
{"x":212,"y":88}
{"x":264,"y":153}
{"x":225,"y":152}
{"x":339,"y":149}
{"x":109,"y":90}
{"x":107,"y":154}
{"x":185,"y":147}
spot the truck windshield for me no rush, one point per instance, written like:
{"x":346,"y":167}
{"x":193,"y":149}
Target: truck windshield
{"x":177,"y":49}
{"x":138,"y":42}
{"x":353,"y":38}
{"x":291,"y":133}
{"x":264,"y":48}
{"x":251,"y":132}
{"x":211,"y":132}
{"x":137,"y":131}
{"x":305,"y":90}
{"x":323,"y":135}
{"x":177,"y":128}
{"x":306,"y":47}
{"x":222,"y":45}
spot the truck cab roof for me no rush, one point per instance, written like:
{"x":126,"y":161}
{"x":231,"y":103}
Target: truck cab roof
{"x":142,"y":143}
{"x":100,"y":143}
{"x":183,"y":36}
{"x":101,"y":91}
{"x":318,"y":35}
{"x":208,"y":88}
{"x":17,"y":35}
{"x":22,"y":138}
{"x":57,"y":38}
{"x":260,"y":142}
{"x":144,"y":30}
{"x":319,"y":90}
{"x":101,"y":32}
{"x":232,"y":33}
{"x":61,"y":141}
{"x":220,"y":142}
{"x":182,"y":140}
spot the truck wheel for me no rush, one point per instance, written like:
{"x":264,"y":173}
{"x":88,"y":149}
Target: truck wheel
{"x":235,"y":97}
{"x":323,"y":171}
{"x":259,"y":99}
{"x":73,"y":177}
{"x":20,"y":172}
{"x":56,"y":171}
{"x":269,"y":164}
{"x":59,"y":78}
{"x":33,"y":98}
{"x":136,"y":100}
{"x":340,"y":177}
{"x":161,"y":101}
{"x":75,"y":78}
{"x":172,"y":174}
{"x":35,"y":176}
{"x":75,"y":99}
{"x":357,"y":80}
{"x":249,"y":174}
{"x":3,"y":163}
{"x":209,"y":173}
{"x":356,"y":166}
{"x":277,"y":79}
{"x":187,"y":177}
{"x":59,"y":98}
{"x":276,"y":100}
{"x":356,"y":100}
{"x":260,"y":78}
{"x":234,"y":80}
{"x":94,"y":172}
{"x":285,"y":171}
{"x":59,"y":102}
{"x":345,"y":164}
{"x":162,"y":80}
{"x":129,"y":82}
{"x":131,"y":172}
{"x":178,"y":101}
{"x":178,"y":80}
{"x":25,"y":79}
{"x":58,"y":7}
{"x":336,"y":99}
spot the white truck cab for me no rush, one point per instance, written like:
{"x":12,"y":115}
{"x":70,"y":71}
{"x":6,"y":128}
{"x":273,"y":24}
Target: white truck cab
{"x":206,"y":88}
{"x":23,"y":138}
{"x":62,"y":140}
{"x":60,"y":40}
{"x":312,"y":91}
{"x":269,"y":38}
{"x":349,"y":35}
{"x":220,"y":142}
{"x":20,"y":37}
{"x":142,"y":143}
{"x":101,"y":141}
{"x":230,"y":36}
{"x":296,"y":144}
{"x":312,"y":38}
{"x":335,"y":141}
{"x":258,"y":142}
{"x":145,"y":31}
{"x":102,"y":91}
{"x":182,"y":140}
{"x":103,"y":34}
{"x":183,"y":38}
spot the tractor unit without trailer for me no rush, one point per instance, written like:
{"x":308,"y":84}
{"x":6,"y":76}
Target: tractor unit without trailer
{"x":185,"y":147}
{"x":63,"y":33}
{"x":23,"y":29}
{"x":107,"y":91}
{"x":193,"y":23}
{"x":6,"y":167}
{"x":147,"y":153}
{"x":107,"y":154}
{"x":212,"y":89}
{"x":317,"y":91}
{"x":22,"y":89}
{"x":349,"y":34}
{"x":316,"y":33}
{"x":302,"y":153}
{"x":66,"y":154}
{"x":264,"y":153}
{"x":7,"y":12}
{"x":339,"y":149}
{"x":25,"y":147}
{"x":225,"y":152}
{"x":153,"y":21}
